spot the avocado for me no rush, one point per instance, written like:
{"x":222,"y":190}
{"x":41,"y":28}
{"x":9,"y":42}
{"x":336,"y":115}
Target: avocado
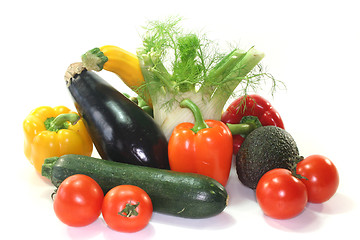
{"x":264,"y":149}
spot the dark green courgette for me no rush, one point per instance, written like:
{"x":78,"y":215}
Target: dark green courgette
{"x":181,"y":194}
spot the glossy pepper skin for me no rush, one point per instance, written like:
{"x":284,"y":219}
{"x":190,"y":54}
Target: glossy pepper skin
{"x":254,"y":105}
{"x":43,"y":139}
{"x":204,"y":147}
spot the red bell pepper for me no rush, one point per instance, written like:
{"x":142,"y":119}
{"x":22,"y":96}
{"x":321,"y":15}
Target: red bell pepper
{"x":254,"y":105}
{"x":204,"y":147}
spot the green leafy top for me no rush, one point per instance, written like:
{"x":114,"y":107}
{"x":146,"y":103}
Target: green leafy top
{"x":174,"y":61}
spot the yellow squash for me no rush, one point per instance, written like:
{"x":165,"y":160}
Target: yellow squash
{"x":121,"y":62}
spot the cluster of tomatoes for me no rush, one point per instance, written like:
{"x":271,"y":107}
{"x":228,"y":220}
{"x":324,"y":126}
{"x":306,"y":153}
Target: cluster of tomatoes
{"x":79,"y":201}
{"x":282,"y":195}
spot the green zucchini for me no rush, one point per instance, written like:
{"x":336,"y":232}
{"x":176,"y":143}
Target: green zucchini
{"x":185,"y":195}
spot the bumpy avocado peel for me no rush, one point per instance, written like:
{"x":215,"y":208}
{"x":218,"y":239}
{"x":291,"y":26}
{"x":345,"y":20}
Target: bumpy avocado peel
{"x":264,"y":149}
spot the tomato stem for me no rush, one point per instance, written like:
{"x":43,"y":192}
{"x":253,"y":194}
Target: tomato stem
{"x":129,"y":210}
{"x":294,"y":165}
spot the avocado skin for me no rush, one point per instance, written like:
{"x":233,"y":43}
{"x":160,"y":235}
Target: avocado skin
{"x":264,"y":149}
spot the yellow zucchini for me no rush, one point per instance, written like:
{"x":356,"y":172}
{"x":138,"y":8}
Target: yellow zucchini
{"x":121,"y":62}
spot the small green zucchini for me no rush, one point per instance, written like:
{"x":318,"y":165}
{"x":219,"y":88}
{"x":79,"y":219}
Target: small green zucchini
{"x":185,"y":195}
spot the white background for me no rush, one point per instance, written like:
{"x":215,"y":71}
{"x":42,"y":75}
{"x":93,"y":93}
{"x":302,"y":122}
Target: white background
{"x":313,"y":46}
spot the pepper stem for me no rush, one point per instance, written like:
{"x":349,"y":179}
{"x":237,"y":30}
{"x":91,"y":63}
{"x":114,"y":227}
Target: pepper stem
{"x":240,"y":128}
{"x":199,"y":120}
{"x":61,"y":121}
{"x":247,"y":125}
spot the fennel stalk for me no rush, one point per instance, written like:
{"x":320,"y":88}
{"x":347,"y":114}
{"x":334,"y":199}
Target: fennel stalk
{"x":178,"y":65}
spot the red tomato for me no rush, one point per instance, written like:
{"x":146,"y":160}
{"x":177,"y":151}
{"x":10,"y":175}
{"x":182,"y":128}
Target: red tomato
{"x":322,"y":178}
{"x":127,"y":208}
{"x":78,"y":200}
{"x":280,"y":194}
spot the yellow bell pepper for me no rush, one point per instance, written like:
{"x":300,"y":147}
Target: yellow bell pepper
{"x":48,"y":133}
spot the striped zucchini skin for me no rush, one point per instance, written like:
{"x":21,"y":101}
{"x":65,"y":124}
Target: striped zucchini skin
{"x":180,"y":194}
